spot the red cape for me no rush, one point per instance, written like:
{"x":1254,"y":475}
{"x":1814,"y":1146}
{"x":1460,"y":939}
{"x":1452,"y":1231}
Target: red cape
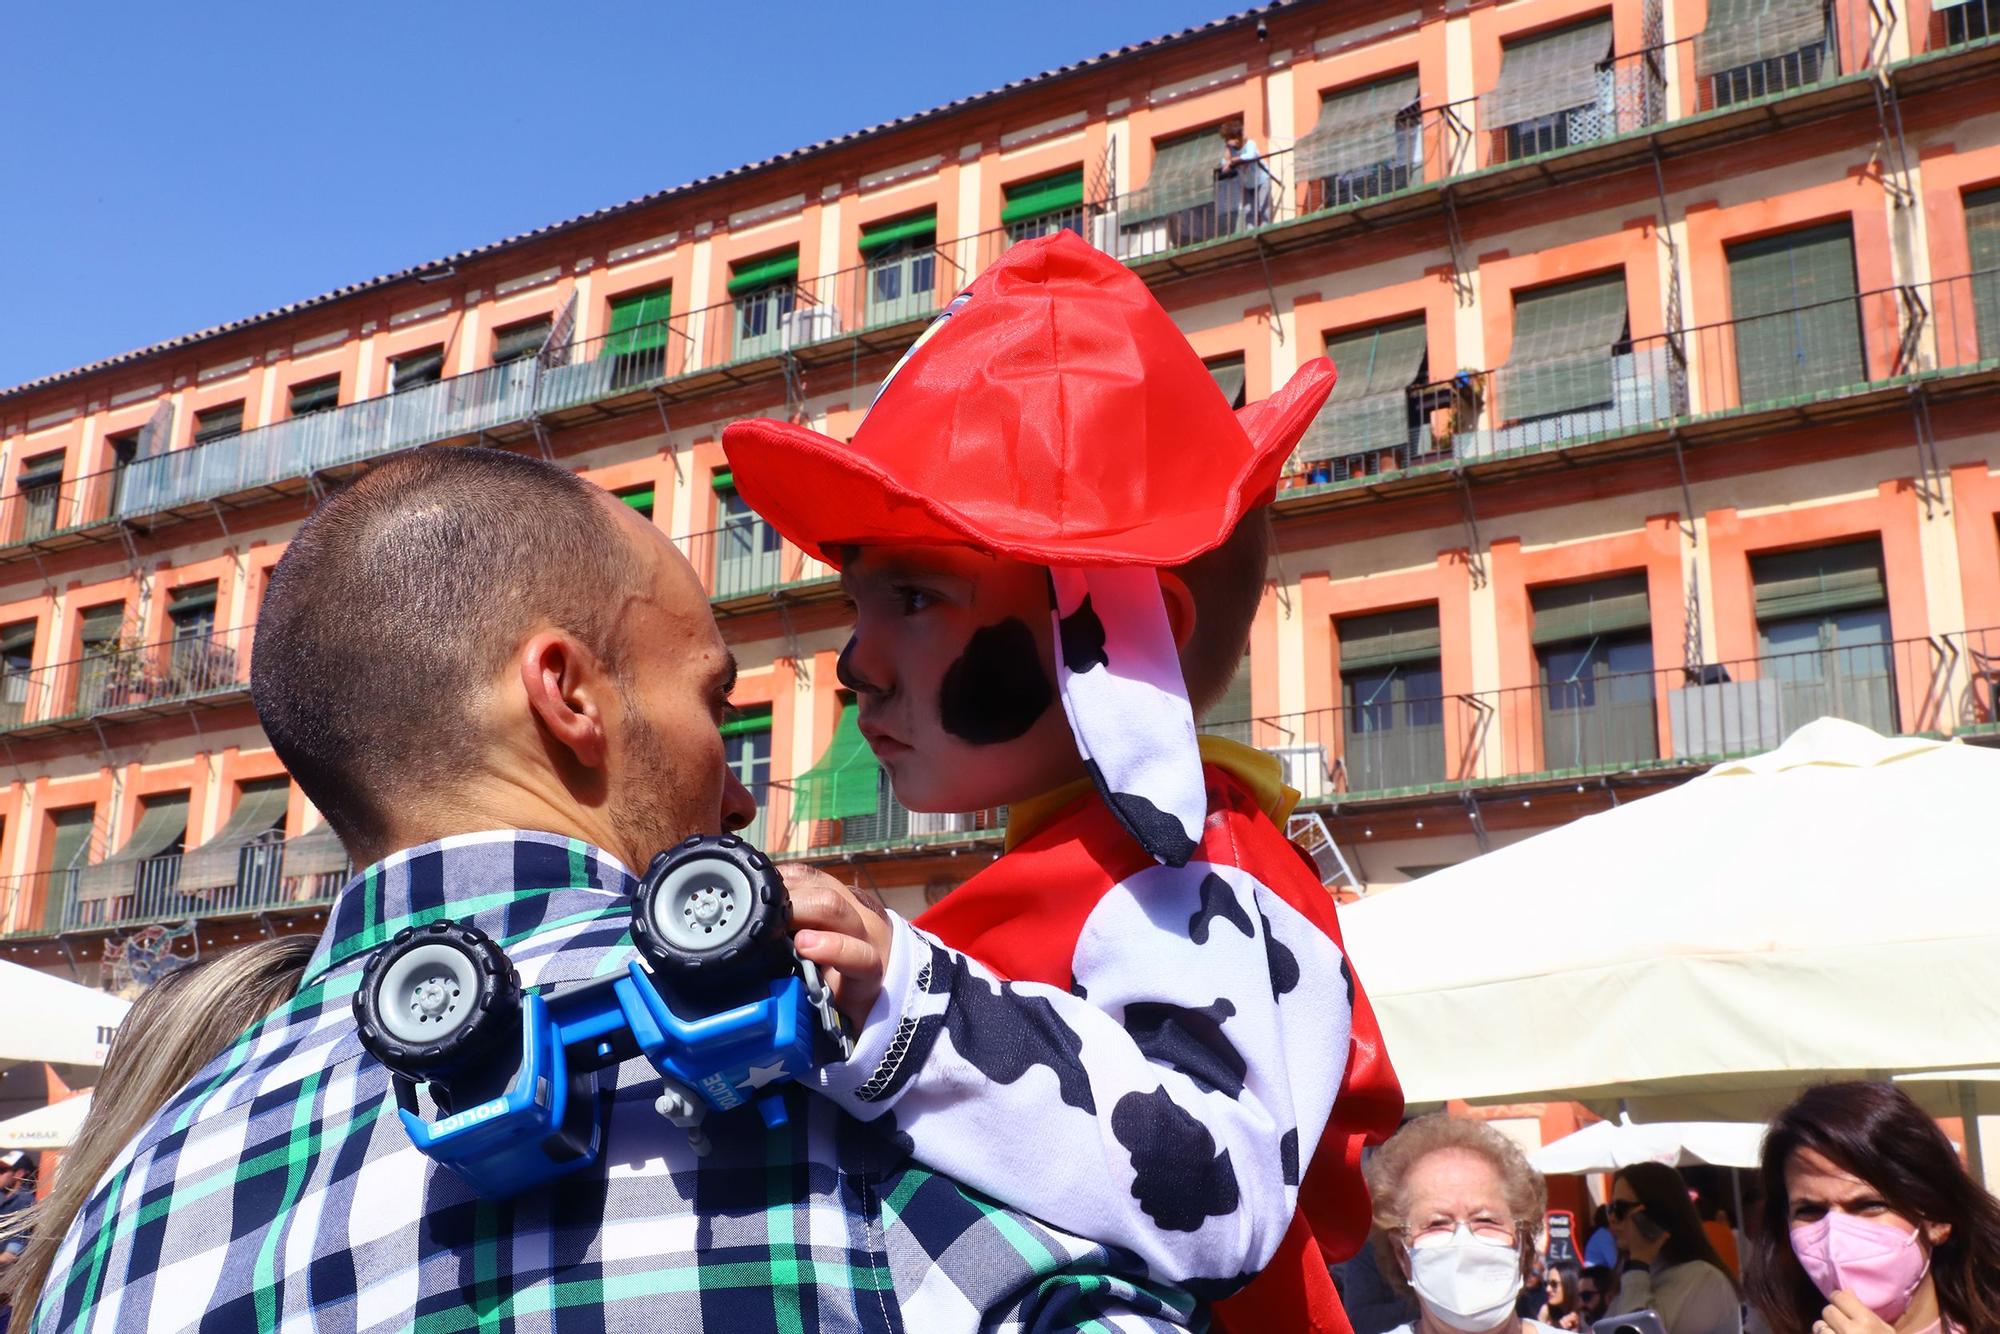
{"x":1021,"y":917}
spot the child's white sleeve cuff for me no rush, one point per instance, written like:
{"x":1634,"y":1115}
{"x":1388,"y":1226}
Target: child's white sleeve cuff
{"x":884,"y":1056}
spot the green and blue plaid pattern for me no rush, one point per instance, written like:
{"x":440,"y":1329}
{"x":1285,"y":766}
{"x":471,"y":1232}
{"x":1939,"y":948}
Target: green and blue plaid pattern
{"x":278,"y":1191}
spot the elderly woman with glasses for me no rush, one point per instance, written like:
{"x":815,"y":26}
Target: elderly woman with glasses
{"x":1458,"y":1208}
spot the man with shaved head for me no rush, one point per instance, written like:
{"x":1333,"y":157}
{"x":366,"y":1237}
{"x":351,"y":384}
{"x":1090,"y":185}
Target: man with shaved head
{"x":503,"y":689}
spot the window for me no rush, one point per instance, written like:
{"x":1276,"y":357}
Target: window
{"x":417,"y":368}
{"x":1823,"y":628}
{"x":1368,"y":141}
{"x":315,"y":395}
{"x":1044,"y":205}
{"x":902,"y":268}
{"x":1228,"y":373}
{"x":521,"y":340}
{"x":40,"y":485}
{"x":17,"y":665}
{"x":68,"y":850}
{"x":637,"y":339}
{"x":1556,"y":89}
{"x":1565,"y":337}
{"x":746,"y":749}
{"x":1982,"y":233}
{"x":138,"y":880}
{"x":124,"y":449}
{"x":639,"y":498}
{"x":246,"y":854}
{"x":1392,"y":699}
{"x":225,"y":419}
{"x":764,"y":290}
{"x":1797,"y":322}
{"x":1754,"y":48}
{"x":747,"y":550}
{"x":1957,"y":21}
{"x":107,"y":672}
{"x":1371,"y":420}
{"x":1594,"y":645}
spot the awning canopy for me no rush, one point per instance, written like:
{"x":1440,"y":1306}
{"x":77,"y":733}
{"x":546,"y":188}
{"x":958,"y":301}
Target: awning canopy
{"x":913,"y":227}
{"x":1356,"y":130}
{"x":54,"y":1020}
{"x":1549,"y":72}
{"x":846,"y":781}
{"x":260,"y":809}
{"x":764,"y":271}
{"x":163,"y":822}
{"x":50,"y":1127}
{"x":1048,"y":194}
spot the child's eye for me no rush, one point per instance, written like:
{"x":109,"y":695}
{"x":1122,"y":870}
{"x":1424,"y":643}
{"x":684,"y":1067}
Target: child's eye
{"x":915,"y":600}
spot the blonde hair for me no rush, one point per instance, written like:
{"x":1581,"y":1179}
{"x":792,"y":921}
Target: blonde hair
{"x":1390,"y":1166}
{"x":178,"y":1026}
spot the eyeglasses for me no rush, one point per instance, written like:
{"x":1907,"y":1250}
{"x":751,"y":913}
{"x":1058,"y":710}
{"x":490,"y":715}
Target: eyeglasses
{"x":1440,"y":1230}
{"x":1621,"y":1209}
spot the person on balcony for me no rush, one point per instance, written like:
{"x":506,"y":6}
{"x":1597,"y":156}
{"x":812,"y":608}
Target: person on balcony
{"x":1244,"y":185}
{"x":503,"y":688}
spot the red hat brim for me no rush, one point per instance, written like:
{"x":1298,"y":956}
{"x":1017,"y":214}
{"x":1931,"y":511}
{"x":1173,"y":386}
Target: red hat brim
{"x":823,"y":496}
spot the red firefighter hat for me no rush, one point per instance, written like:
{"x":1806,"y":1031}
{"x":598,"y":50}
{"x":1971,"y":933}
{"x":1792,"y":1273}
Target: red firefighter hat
{"x":1053,"y":414}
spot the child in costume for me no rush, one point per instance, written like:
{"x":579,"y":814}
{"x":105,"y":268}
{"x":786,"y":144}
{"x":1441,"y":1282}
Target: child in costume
{"x":1045,"y":509}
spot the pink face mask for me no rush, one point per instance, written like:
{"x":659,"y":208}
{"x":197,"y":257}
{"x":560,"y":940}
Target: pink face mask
{"x":1878,"y":1262}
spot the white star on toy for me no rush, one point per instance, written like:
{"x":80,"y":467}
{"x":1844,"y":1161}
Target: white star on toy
{"x":761,"y":1075}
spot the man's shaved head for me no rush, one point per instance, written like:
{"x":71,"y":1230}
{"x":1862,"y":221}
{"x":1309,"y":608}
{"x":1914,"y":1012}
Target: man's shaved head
{"x":403,"y":598}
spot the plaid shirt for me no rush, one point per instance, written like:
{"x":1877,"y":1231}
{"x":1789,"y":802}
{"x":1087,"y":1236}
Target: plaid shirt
{"x":278,"y":1190}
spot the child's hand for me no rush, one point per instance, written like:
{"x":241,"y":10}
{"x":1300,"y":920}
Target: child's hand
{"x":841,"y":932}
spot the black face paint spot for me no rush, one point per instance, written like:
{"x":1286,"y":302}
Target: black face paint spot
{"x":843,"y":672}
{"x":1180,"y":1181}
{"x":1159,"y":833}
{"x":998,"y":688}
{"x":1082,"y":635}
{"x":1189,"y":1040}
{"x":1218,"y":903}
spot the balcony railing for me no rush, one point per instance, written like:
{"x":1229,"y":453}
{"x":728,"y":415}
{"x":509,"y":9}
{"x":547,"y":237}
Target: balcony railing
{"x":891,"y":826}
{"x":115,"y":678}
{"x":1964,"y":23}
{"x":1755,"y":363}
{"x":1630,"y":94}
{"x":1619,"y":722}
{"x":746,"y":557}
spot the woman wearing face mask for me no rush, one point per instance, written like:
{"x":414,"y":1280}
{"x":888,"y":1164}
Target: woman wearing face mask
{"x":1458,"y":1206}
{"x":1870,"y":1223}
{"x":1670,"y":1264}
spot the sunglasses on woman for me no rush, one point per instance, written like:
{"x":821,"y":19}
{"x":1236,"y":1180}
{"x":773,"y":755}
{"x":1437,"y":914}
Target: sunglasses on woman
{"x":1620,"y":1210}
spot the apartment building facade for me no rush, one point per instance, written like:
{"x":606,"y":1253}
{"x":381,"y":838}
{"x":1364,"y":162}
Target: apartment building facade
{"x":1668,"y":335}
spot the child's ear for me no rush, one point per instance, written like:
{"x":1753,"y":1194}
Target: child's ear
{"x":1180,"y":607}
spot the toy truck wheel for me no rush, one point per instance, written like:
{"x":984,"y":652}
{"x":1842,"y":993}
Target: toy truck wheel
{"x":710,"y":911}
{"x":436,"y":998}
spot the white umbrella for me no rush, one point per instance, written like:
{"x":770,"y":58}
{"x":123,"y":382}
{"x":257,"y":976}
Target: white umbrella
{"x":48,"y":1019}
{"x":1610,"y":1145}
{"x":50,"y":1127}
{"x":1826,"y":909}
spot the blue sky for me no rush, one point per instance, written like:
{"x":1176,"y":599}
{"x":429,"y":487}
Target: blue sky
{"x":166,"y":167}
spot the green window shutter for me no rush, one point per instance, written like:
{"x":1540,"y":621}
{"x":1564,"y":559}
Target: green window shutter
{"x":1561,"y":360}
{"x":1356,"y":129}
{"x":756,"y":718}
{"x":1370,"y":404}
{"x":916,"y":227}
{"x":41,"y":470}
{"x":1046,"y":194}
{"x":260,"y":808}
{"x":191,"y":597}
{"x":315,"y":396}
{"x":723,"y":480}
{"x":218,"y":422}
{"x":1741,"y":32}
{"x":101,"y":624}
{"x":69,"y":847}
{"x":163,"y":823}
{"x":639,"y":498}
{"x":1389,"y":638}
{"x":418,"y":368}
{"x":1228,"y":373}
{"x":1796,"y":320}
{"x":17,"y":639}
{"x":639,"y":321}
{"x":847,"y":779}
{"x":520,"y":340}
{"x":1549,"y":72}
{"x":747,"y":275}
{"x":1183,"y":177}
{"x":1982,"y":233}
{"x":1569,"y":612}
{"x":1819,"y":580}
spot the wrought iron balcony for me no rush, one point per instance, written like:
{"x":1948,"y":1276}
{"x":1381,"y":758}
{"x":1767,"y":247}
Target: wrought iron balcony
{"x":893,"y":827}
{"x":116,"y":678}
{"x":1584,"y":724}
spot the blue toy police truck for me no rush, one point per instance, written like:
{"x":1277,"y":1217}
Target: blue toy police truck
{"x":721,"y":1006}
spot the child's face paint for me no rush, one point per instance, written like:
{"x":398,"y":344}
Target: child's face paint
{"x":952,"y":659}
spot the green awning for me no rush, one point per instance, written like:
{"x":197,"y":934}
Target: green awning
{"x":1561,"y":358}
{"x":1369,"y":408}
{"x":316,"y":395}
{"x":192,"y":597}
{"x":1389,"y":638}
{"x":1047,"y":194}
{"x":753,"y":719}
{"x":914,"y":227}
{"x":638,"y":321}
{"x":1182,"y":178}
{"x":41,"y":470}
{"x":847,"y":779}
{"x":260,"y":809}
{"x":1796,"y":322}
{"x":102,"y":623}
{"x":723,"y":480}
{"x":1982,"y":233}
{"x":1742,"y":32}
{"x":17,"y":637}
{"x":763,"y":271}
{"x":639,"y":498}
{"x":1228,"y":373}
{"x":1569,"y":612}
{"x":419,"y":368}
{"x":1819,"y":580}
{"x":1549,"y":72}
{"x":163,"y":823}
{"x":520,"y":340}
{"x":1356,"y":130}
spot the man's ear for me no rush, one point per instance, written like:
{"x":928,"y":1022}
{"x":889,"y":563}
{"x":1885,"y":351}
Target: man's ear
{"x":564,"y":684}
{"x":1180,"y":607}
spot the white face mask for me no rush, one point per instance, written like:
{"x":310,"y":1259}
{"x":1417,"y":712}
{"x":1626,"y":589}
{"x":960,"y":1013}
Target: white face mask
{"x":1467,"y":1282}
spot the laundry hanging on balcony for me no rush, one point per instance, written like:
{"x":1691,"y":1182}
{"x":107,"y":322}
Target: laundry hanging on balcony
{"x":216,"y":863}
{"x":1357,"y":131}
{"x":1549,"y":73}
{"x":162,"y":826}
{"x":1561,"y":358}
{"x":847,"y":780}
{"x":1743,"y":32}
{"x":1183,"y":177}
{"x":1369,"y":408}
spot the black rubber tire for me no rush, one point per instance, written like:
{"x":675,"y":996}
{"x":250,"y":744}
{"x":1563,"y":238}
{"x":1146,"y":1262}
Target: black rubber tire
{"x":492,"y":1026}
{"x":755,"y":943}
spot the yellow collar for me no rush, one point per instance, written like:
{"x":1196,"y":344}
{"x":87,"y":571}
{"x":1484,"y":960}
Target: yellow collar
{"x":1258,"y":771}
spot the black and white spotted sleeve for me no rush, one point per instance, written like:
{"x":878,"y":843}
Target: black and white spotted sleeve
{"x":1165,"y":1104}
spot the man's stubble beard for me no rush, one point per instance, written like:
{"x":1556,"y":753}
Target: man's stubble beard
{"x":647,"y":811}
